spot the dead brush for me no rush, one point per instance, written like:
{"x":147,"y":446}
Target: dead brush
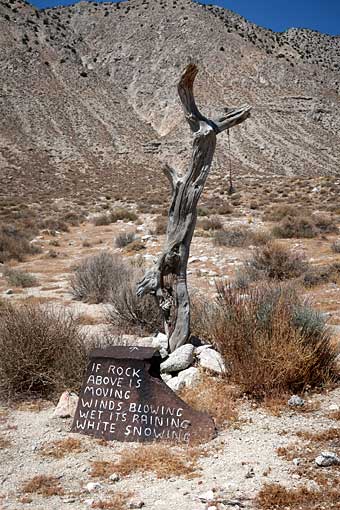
{"x":44,"y":485}
{"x":276,"y":497}
{"x":4,"y":442}
{"x":160,"y":459}
{"x":61,"y":448}
{"x":42,"y":351}
{"x":102,"y":468}
{"x":330,"y":435}
{"x":215,"y":397}
{"x":272,"y":342}
{"x":335,"y":415}
{"x":118,"y":501}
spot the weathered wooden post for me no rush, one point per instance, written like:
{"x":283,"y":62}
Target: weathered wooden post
{"x":167,"y":280}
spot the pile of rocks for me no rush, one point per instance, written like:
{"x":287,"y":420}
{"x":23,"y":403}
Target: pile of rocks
{"x":183,"y":367}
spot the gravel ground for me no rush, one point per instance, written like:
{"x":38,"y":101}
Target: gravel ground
{"x":237,"y":463}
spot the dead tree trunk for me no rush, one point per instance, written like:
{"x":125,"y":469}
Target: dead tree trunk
{"x":167,"y":281}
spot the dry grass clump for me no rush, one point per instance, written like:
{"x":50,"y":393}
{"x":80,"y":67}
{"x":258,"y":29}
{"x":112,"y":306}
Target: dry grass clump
{"x":271,"y":341}
{"x":160,"y":225}
{"x":325,"y":223}
{"x":15,"y":245}
{"x":275,"y":262}
{"x":335,"y":246}
{"x":118,"y":501}
{"x":4,"y":442}
{"x":135,"y":246}
{"x":19,"y":278}
{"x":42,"y":351}
{"x":276,"y":497}
{"x":128,"y":311}
{"x":281,"y":211}
{"x":102,"y":468}
{"x":61,"y":448}
{"x":241,"y":237}
{"x":44,"y":485}
{"x":124,"y":239}
{"x":295,"y":227}
{"x":335,"y":415}
{"x":122,"y":214}
{"x":160,"y":459}
{"x":321,"y":437}
{"x":214,"y":397}
{"x":96,"y":277}
{"x":101,"y":220}
{"x":209,"y":224}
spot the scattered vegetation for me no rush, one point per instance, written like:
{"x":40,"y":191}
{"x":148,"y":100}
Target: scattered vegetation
{"x":241,"y":237}
{"x":124,"y":239}
{"x":118,"y":501}
{"x":102,"y":468}
{"x":97,"y":277}
{"x":214,"y":397}
{"x":335,"y":246}
{"x":210,"y":224}
{"x":271,"y":340}
{"x":15,"y":245}
{"x":19,"y":278}
{"x":160,"y":225}
{"x":274,"y":496}
{"x":165,"y":462}
{"x":61,"y":448}
{"x":43,"y":351}
{"x":295,"y":226}
{"x":44,"y":485}
{"x":122,"y":214}
{"x":274,"y":261}
{"x":4,"y":443}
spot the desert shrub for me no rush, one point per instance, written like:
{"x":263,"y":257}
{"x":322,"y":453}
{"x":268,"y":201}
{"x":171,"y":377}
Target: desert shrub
{"x":136,"y":246}
{"x":271,"y":341}
{"x":128,"y":311}
{"x":19,"y":278}
{"x":335,"y":247}
{"x":240,"y":237}
{"x":275,"y":262}
{"x":281,"y":211}
{"x":14,"y":244}
{"x":295,"y":226}
{"x":122,"y":214}
{"x":54,"y":224}
{"x":96,"y":277}
{"x":101,"y":220}
{"x":124,"y":239}
{"x":325,"y":223}
{"x":160,"y":225}
{"x":213,"y":223}
{"x":42,"y":351}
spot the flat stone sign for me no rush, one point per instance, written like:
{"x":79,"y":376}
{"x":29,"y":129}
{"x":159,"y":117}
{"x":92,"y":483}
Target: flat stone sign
{"x":123,"y":398}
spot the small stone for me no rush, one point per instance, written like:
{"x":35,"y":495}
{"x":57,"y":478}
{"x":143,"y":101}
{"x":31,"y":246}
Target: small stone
{"x":9,"y":292}
{"x":166,"y":377}
{"x":295,"y":476}
{"x":190,"y":377}
{"x":326,"y":459}
{"x":212,"y":360}
{"x":296,"y":401}
{"x":136,"y":503}
{"x":296,"y":462}
{"x":250,"y":473}
{"x":212,"y":507}
{"x":161,"y":342}
{"x":114,"y":477}
{"x":334,"y":407}
{"x":93,"y":486}
{"x":66,"y":406}
{"x":89,"y":502}
{"x":179,"y":360}
{"x":205,"y":497}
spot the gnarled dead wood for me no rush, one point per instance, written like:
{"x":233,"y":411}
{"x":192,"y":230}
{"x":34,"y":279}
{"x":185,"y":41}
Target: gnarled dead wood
{"x":168,"y":279}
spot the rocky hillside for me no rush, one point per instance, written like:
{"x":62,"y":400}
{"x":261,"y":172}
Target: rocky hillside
{"x":88,"y":95}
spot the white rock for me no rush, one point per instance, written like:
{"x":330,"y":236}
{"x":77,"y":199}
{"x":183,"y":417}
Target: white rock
{"x":326,"y":459}
{"x":296,"y":401}
{"x":201,"y":348}
{"x":67,"y":405}
{"x":190,"y":377}
{"x":175,"y":384}
{"x":212,"y":360}
{"x":334,"y":407}
{"x":207,"y":496}
{"x":179,"y":360}
{"x":93,"y":486}
{"x":161,"y":342}
{"x":296,"y":461}
{"x":114,"y":477}
{"x":9,"y":292}
{"x":166,"y":377}
{"x":89,"y":502}
{"x":136,"y":503}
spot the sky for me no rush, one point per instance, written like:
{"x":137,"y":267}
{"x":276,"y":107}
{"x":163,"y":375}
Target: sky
{"x":322,"y":15}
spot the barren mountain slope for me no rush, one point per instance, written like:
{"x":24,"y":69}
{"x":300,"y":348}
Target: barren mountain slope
{"x":88,"y":94}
